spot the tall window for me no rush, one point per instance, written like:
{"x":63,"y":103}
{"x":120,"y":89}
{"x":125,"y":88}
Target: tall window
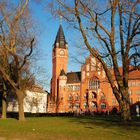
{"x":73,"y":87}
{"x":94,"y":83}
{"x":130,"y":92}
{"x":93,"y":95}
{"x":103,"y":97}
{"x":77,"y":97}
{"x":76,"y":87}
{"x":70,"y":88}
{"x":113,"y":101}
{"x":85,"y":105}
{"x":70,"y":106}
{"x":85,"y":96}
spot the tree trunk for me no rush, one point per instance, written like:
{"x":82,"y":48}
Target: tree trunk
{"x":20,"y":96}
{"x":4,"y":105}
{"x":125,"y":111}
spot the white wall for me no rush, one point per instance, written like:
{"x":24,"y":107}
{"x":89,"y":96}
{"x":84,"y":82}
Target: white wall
{"x":34,"y":102}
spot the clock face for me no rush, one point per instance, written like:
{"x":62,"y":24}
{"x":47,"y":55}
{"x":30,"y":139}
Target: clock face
{"x":62,"y":52}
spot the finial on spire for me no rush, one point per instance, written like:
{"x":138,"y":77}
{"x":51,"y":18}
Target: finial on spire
{"x":60,"y":18}
{"x":60,"y":15}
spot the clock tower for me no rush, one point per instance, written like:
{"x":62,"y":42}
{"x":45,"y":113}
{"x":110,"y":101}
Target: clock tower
{"x":59,"y":63}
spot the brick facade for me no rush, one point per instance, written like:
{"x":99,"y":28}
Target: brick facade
{"x":87,"y":90}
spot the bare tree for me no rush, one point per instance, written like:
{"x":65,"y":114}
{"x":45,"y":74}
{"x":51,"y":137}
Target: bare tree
{"x":3,"y":93}
{"x":115,"y":27}
{"x":16,"y":42}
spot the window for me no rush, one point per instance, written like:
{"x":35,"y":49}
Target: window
{"x":70,"y":88}
{"x":103,"y":105}
{"x":102,"y":97}
{"x":85,"y":105}
{"x":34,"y":100}
{"x":70,"y":97}
{"x":76,"y":97}
{"x":137,"y":83}
{"x":132,"y":84}
{"x":93,"y":104}
{"x":70,"y":106}
{"x":94,"y":83}
{"x":113,"y":101}
{"x":94,"y":95}
{"x":85,"y":96}
{"x":130,"y":92}
{"x":61,"y":97}
{"x":137,"y":91}
{"x":77,"y":106}
{"x":76,"y":87}
{"x":73,"y":87}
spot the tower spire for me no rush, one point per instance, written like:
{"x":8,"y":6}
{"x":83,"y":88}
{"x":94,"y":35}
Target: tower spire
{"x":60,"y":38}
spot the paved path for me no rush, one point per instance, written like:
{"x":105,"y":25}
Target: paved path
{"x":3,"y":138}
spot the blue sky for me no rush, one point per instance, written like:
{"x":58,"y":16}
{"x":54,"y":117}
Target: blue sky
{"x":47,"y":28}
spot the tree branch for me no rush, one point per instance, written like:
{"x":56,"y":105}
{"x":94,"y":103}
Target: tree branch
{"x":95,"y":53}
{"x":26,"y":56}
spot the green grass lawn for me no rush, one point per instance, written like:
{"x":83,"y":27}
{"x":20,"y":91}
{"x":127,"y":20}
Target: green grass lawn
{"x":68,"y":128}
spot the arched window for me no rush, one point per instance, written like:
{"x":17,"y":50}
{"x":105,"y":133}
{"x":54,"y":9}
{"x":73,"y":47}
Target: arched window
{"x":103,"y":105}
{"x":93,"y":104}
{"x":93,"y":95}
{"x":85,"y":105}
{"x":94,"y":83}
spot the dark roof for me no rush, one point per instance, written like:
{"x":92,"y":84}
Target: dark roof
{"x":74,"y":77}
{"x":60,"y":38}
{"x":62,"y":73}
{"x":134,"y":75}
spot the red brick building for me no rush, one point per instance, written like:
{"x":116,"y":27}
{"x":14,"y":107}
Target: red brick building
{"x":86,"y":90}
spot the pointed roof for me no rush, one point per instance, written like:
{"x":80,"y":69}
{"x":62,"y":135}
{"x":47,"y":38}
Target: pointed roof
{"x":74,"y":77}
{"x":62,"y":73}
{"x":60,"y":38}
